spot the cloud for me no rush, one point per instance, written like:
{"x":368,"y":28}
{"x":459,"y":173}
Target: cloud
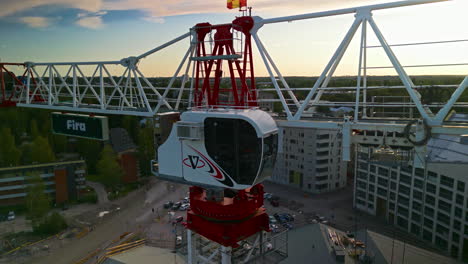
{"x":10,"y":7}
{"x":92,"y":22}
{"x":153,"y":19}
{"x":36,"y":21}
{"x":163,"y":8}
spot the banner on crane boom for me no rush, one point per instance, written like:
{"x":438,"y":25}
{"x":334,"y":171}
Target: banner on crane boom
{"x":76,"y":125}
{"x":231,"y":4}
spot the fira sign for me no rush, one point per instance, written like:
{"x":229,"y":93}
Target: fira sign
{"x":85,"y":126}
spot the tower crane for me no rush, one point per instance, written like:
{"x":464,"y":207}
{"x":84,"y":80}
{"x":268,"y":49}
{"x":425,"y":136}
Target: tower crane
{"x":224,"y":146}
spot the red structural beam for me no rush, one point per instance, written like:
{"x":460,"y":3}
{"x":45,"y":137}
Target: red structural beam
{"x":10,"y":100}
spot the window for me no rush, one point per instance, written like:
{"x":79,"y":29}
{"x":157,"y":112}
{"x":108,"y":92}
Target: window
{"x":406,"y":179}
{"x":325,"y":186}
{"x":393,"y":185}
{"x":392,"y":196}
{"x":320,"y":170}
{"x":371,"y":188}
{"x":428,"y":211}
{"x":403,"y":200}
{"x":405,"y":190}
{"x":326,"y":144}
{"x":460,"y":186}
{"x":322,"y":136}
{"x":416,"y":217}
{"x":372,"y":178}
{"x":445,"y":206}
{"x":445,"y":194}
{"x":430,"y":200}
{"x":324,"y":178}
{"x":323,"y":153}
{"x":459,"y":199}
{"x":458,"y":212}
{"x":373,"y":168}
{"x":362,"y":175}
{"x":407,"y":169}
{"x":402,"y":222}
{"x":383,"y":171}
{"x":431,"y":176}
{"x":454,"y":251}
{"x":441,"y":243}
{"x":394,"y":174}
{"x":415,"y":229}
{"x":444,"y":180}
{"x":391,"y":206}
{"x":370,"y":197}
{"x":428,"y":223}
{"x":417,"y":195}
{"x":430,"y":188}
{"x":443,"y":218}
{"x":382,"y":191}
{"x":442,"y":230}
{"x":417,"y":206}
{"x":363,"y":165}
{"x":419,"y":172}
{"x":456,"y":225}
{"x":382,"y":182}
{"x":418,"y":183}
{"x":322,"y":161}
{"x":427,"y":235}
{"x":455,"y":237}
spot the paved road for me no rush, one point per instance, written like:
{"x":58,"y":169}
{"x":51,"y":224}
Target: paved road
{"x":134,"y":213}
{"x":100,"y":191}
{"x":337,"y":207}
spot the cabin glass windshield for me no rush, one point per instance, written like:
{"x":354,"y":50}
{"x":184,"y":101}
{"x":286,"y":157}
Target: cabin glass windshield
{"x":233,"y":144}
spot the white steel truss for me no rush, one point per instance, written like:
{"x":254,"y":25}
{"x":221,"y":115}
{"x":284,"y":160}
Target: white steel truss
{"x":65,"y":86}
{"x":363,"y":18}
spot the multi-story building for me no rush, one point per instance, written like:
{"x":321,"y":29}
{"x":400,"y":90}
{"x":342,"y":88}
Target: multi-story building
{"x":63,"y":181}
{"x":310,"y":159}
{"x":430,"y":202}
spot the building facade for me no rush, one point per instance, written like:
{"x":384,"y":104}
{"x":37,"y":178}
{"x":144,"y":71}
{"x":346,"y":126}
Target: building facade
{"x":310,"y":159}
{"x":63,"y":181}
{"x":430,"y":202}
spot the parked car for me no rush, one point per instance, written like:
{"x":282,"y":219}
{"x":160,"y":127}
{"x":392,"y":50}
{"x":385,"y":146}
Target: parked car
{"x":274,"y":203}
{"x":288,"y":225}
{"x":11,"y":216}
{"x":185,"y":200}
{"x":178,"y":220}
{"x":288,"y":217}
{"x":176,"y":206}
{"x":272,"y":219}
{"x":168,"y":204}
{"x":184,"y":207}
{"x":274,"y":228}
{"x":267,"y":196}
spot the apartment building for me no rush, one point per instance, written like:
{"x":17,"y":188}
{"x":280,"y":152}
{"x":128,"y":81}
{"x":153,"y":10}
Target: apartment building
{"x":430,"y":202}
{"x":310,"y":159}
{"x":63,"y":181}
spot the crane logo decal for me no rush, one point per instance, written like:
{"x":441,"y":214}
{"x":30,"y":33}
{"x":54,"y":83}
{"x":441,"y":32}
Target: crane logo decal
{"x":194,"y":162}
{"x":199,"y":162}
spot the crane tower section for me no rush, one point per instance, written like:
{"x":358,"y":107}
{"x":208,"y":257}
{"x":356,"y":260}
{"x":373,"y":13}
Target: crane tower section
{"x":215,"y":46}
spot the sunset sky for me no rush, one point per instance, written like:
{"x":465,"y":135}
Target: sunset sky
{"x":90,"y":30}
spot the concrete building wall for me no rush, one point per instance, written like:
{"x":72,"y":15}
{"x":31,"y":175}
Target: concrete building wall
{"x":431,"y":203}
{"x":310,"y":159}
{"x":63,"y":180}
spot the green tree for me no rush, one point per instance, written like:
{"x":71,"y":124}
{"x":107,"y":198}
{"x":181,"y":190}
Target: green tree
{"x":109,"y":171}
{"x":9,"y":154}
{"x":146,"y":149}
{"x":90,"y":150}
{"x":34,"y":129}
{"x":41,"y":152}
{"x":37,"y":201}
{"x":51,"y":224}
